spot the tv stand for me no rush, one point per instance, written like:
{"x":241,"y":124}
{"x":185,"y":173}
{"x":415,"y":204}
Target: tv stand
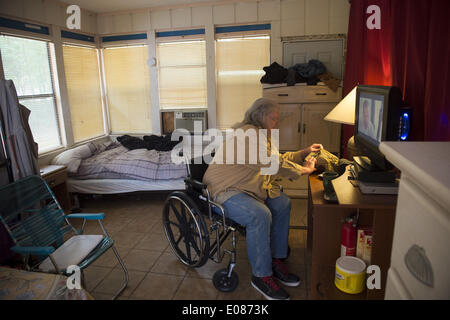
{"x":363,"y":170}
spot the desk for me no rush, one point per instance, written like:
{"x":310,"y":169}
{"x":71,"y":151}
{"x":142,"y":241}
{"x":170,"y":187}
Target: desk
{"x":324,"y":232}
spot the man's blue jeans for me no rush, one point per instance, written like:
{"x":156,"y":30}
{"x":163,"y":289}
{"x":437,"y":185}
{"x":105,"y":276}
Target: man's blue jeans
{"x":267,"y":228}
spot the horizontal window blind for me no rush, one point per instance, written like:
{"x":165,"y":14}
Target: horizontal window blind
{"x":83,"y":87}
{"x":239,"y":65}
{"x":27,"y":62}
{"x":182,"y":74}
{"x":128,"y":89}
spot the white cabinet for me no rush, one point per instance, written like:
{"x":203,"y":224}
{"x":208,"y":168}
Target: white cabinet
{"x":302,"y":109}
{"x":290,"y":126}
{"x":420,"y":260}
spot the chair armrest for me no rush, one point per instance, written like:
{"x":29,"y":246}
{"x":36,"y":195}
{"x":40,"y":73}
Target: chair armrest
{"x":195,"y":184}
{"x":87,"y":216}
{"x":41,"y":251}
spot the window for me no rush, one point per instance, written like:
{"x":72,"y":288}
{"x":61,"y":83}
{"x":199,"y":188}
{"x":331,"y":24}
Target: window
{"x":182,"y":74}
{"x":128,"y":89}
{"x":83,"y":88}
{"x":27,"y":63}
{"x":239,"y":66}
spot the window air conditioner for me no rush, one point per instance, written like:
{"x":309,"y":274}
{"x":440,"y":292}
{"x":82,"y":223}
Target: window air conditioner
{"x":186,"y":120}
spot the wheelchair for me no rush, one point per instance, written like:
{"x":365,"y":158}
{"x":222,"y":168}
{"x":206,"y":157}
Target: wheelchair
{"x":184,"y":220}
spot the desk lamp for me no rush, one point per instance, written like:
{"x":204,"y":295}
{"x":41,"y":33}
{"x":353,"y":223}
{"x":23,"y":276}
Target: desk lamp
{"x":344,"y":112}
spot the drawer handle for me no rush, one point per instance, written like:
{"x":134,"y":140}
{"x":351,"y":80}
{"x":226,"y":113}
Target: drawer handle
{"x":51,"y":183}
{"x":321,"y":94}
{"x":418,"y":264}
{"x":318,"y":290}
{"x":283,"y":94}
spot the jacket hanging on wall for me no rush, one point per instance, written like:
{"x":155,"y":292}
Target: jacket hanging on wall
{"x":18,"y":139}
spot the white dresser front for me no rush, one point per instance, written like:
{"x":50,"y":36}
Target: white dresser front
{"x":420,"y":261}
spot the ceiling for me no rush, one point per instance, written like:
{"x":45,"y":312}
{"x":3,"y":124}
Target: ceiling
{"x":102,"y":6}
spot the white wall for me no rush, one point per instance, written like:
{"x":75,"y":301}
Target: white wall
{"x":288,"y":18}
{"x":47,"y":11}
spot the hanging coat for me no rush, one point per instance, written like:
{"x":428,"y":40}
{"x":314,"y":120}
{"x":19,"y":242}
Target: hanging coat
{"x":19,"y":142}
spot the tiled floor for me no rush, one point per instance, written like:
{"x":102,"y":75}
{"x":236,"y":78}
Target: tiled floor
{"x":134,"y":222}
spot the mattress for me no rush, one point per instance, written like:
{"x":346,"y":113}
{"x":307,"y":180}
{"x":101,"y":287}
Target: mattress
{"x":112,"y":186}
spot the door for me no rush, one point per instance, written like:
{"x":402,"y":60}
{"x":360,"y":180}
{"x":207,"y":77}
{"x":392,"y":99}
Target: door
{"x":329,"y":52}
{"x":317,"y":130}
{"x":289,"y":127}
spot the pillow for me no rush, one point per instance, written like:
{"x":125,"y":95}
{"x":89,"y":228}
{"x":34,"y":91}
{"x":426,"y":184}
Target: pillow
{"x":72,"y":158}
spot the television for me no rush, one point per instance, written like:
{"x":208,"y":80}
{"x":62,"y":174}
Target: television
{"x":379,"y":116}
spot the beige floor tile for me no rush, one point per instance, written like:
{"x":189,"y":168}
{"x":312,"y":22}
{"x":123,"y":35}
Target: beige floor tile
{"x":169,"y":264}
{"x":109,"y":259}
{"x":94,"y":275}
{"x":196,"y":289}
{"x":127,"y":239}
{"x":115,"y":279}
{"x":157,"y":287}
{"x":296,"y":293}
{"x":153,"y":241}
{"x":141,"y":260}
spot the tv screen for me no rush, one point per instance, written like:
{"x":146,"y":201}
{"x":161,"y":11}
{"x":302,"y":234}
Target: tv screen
{"x":370,"y":116}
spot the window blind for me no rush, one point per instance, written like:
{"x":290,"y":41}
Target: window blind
{"x":27,"y":62}
{"x":182,"y":74}
{"x":83,"y":87}
{"x":128,"y":89}
{"x":239,"y":65}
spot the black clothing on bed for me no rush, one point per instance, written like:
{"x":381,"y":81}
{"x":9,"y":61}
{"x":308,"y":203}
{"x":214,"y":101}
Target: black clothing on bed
{"x":159,"y":143}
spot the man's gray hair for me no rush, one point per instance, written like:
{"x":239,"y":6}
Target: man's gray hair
{"x":256,"y":113}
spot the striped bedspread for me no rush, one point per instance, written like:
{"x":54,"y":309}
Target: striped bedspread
{"x":138,"y":164}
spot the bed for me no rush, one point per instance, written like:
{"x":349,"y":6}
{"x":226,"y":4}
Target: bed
{"x":111,"y":168}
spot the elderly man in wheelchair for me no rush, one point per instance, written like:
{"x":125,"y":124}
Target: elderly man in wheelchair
{"x":239,"y":196}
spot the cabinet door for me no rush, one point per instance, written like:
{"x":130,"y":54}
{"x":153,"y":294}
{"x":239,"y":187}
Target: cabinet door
{"x":317,"y":130}
{"x":289,"y":127}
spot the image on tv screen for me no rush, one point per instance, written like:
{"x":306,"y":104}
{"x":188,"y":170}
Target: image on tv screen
{"x":370,"y":118}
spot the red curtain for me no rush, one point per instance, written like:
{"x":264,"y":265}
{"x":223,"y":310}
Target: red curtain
{"x":411,"y":51}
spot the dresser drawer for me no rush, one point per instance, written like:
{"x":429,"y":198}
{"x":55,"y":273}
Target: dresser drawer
{"x":321,"y":94}
{"x":292,"y":94}
{"x":56,"y":178}
{"x":420,"y":245}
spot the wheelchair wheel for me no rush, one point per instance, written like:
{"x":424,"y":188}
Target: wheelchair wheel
{"x":224,"y":283}
{"x":186,"y":230}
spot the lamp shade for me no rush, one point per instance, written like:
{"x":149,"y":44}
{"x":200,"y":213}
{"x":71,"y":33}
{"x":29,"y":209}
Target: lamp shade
{"x":344,"y":112}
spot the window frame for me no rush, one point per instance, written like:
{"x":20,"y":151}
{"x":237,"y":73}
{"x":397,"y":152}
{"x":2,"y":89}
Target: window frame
{"x":55,"y":95}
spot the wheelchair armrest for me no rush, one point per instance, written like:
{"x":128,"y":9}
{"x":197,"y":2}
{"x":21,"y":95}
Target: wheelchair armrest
{"x":40,"y":251}
{"x":87,"y":216}
{"x":196,"y":184}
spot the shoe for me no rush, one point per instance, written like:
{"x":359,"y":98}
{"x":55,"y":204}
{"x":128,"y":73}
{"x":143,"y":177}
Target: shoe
{"x":268,"y":287}
{"x":281,"y":273}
